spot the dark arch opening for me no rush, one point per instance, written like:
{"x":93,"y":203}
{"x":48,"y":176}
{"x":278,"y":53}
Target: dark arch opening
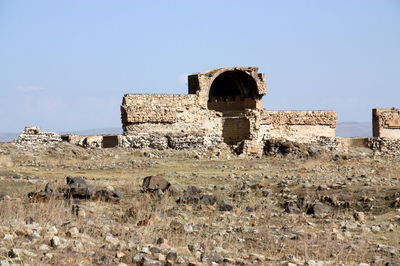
{"x":232,"y":90}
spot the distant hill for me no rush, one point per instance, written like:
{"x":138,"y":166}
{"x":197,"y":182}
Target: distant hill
{"x":6,"y":137}
{"x":344,"y":129}
{"x":354,"y":129}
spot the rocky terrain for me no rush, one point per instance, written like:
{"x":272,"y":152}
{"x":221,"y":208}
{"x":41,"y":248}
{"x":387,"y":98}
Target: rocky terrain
{"x":62,"y":204}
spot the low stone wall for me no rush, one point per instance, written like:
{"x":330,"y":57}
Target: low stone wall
{"x":298,"y":125}
{"x":386,"y":123}
{"x":175,"y":141}
{"x":100,"y":141}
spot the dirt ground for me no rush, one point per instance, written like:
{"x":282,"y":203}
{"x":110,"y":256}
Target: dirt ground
{"x":334,"y":208}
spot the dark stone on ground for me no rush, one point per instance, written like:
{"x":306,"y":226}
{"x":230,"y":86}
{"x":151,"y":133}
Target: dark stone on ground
{"x":155,"y":183}
{"x":211,"y":257}
{"x":225,"y":206}
{"x":208,"y":199}
{"x":319,"y":209}
{"x":291,"y":207}
{"x":171,"y":256}
{"x":78,"y":188}
{"x":107,"y":195}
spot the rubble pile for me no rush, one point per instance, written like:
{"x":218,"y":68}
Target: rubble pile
{"x":384,"y":146}
{"x":33,"y":135}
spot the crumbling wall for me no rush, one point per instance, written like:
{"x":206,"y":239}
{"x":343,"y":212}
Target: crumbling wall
{"x":384,"y":146}
{"x":169,"y":121}
{"x":386,"y":123}
{"x":298,"y":125}
{"x":223,"y":104}
{"x":33,"y":135}
{"x":99,"y":141}
{"x":168,"y":114}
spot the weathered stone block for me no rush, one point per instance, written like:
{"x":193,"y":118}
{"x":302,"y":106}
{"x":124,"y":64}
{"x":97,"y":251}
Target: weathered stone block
{"x":386,"y":123}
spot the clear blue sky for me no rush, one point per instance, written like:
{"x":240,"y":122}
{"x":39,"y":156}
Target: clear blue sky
{"x":65,"y":65}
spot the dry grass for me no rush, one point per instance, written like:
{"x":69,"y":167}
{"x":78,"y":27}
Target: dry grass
{"x":48,"y":213}
{"x":140,"y":219}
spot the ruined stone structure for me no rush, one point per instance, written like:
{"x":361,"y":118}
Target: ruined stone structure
{"x":33,"y":135}
{"x":222,"y":105}
{"x":99,"y":141}
{"x":386,"y":123}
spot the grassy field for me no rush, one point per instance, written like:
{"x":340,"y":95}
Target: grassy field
{"x":260,"y":229}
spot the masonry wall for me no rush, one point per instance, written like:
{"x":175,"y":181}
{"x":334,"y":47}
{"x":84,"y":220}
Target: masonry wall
{"x":168,"y":114}
{"x":298,"y":125}
{"x":223,"y":105}
{"x":386,"y":123}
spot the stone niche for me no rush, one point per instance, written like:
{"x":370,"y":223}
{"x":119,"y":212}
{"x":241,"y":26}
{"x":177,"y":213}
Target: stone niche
{"x":222,"y":105}
{"x":386,"y":123}
{"x":229,"y":89}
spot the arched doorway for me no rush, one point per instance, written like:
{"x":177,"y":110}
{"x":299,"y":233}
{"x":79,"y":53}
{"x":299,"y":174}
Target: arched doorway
{"x":232,"y":90}
{"x":231,"y":93}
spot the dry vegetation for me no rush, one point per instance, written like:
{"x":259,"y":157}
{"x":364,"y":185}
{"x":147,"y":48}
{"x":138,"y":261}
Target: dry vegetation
{"x":357,"y":219}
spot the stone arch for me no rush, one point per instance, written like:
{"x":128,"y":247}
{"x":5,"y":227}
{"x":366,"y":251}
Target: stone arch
{"x":232,"y":90}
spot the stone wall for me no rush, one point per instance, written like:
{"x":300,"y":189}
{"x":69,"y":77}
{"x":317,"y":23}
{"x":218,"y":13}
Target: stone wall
{"x":99,"y":141}
{"x":33,"y":135}
{"x":223,"y":104}
{"x":167,"y":114}
{"x":298,"y":125}
{"x":384,"y":146}
{"x":386,"y":123}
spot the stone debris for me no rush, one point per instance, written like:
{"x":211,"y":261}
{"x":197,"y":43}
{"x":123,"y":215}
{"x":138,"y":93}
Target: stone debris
{"x":32,"y":135}
{"x":285,"y":147}
{"x":76,"y":188}
{"x":304,"y":205}
{"x":384,"y":146}
{"x":154,"y":184}
{"x":194,"y":195}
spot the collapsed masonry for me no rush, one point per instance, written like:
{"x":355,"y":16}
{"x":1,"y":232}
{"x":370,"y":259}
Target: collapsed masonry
{"x":33,"y":135}
{"x":223,"y":106}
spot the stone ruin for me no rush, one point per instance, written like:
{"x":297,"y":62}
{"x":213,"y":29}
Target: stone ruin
{"x":102,"y":141}
{"x":33,"y":135}
{"x":386,"y":123}
{"x":223,"y":105}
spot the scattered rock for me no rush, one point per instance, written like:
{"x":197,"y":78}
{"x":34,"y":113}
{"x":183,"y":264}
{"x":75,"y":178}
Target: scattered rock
{"x":13,"y":253}
{"x":211,"y":257}
{"x":73,"y":232}
{"x":52,"y":230}
{"x":225,"y":206}
{"x":291,"y":207}
{"x":171,"y":256}
{"x":107,"y":195}
{"x":155,"y":183}
{"x":4,"y":197}
{"x":55,"y":242}
{"x":359,"y":216}
{"x":78,"y":188}
{"x":319,"y":209}
{"x":111,"y":239}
